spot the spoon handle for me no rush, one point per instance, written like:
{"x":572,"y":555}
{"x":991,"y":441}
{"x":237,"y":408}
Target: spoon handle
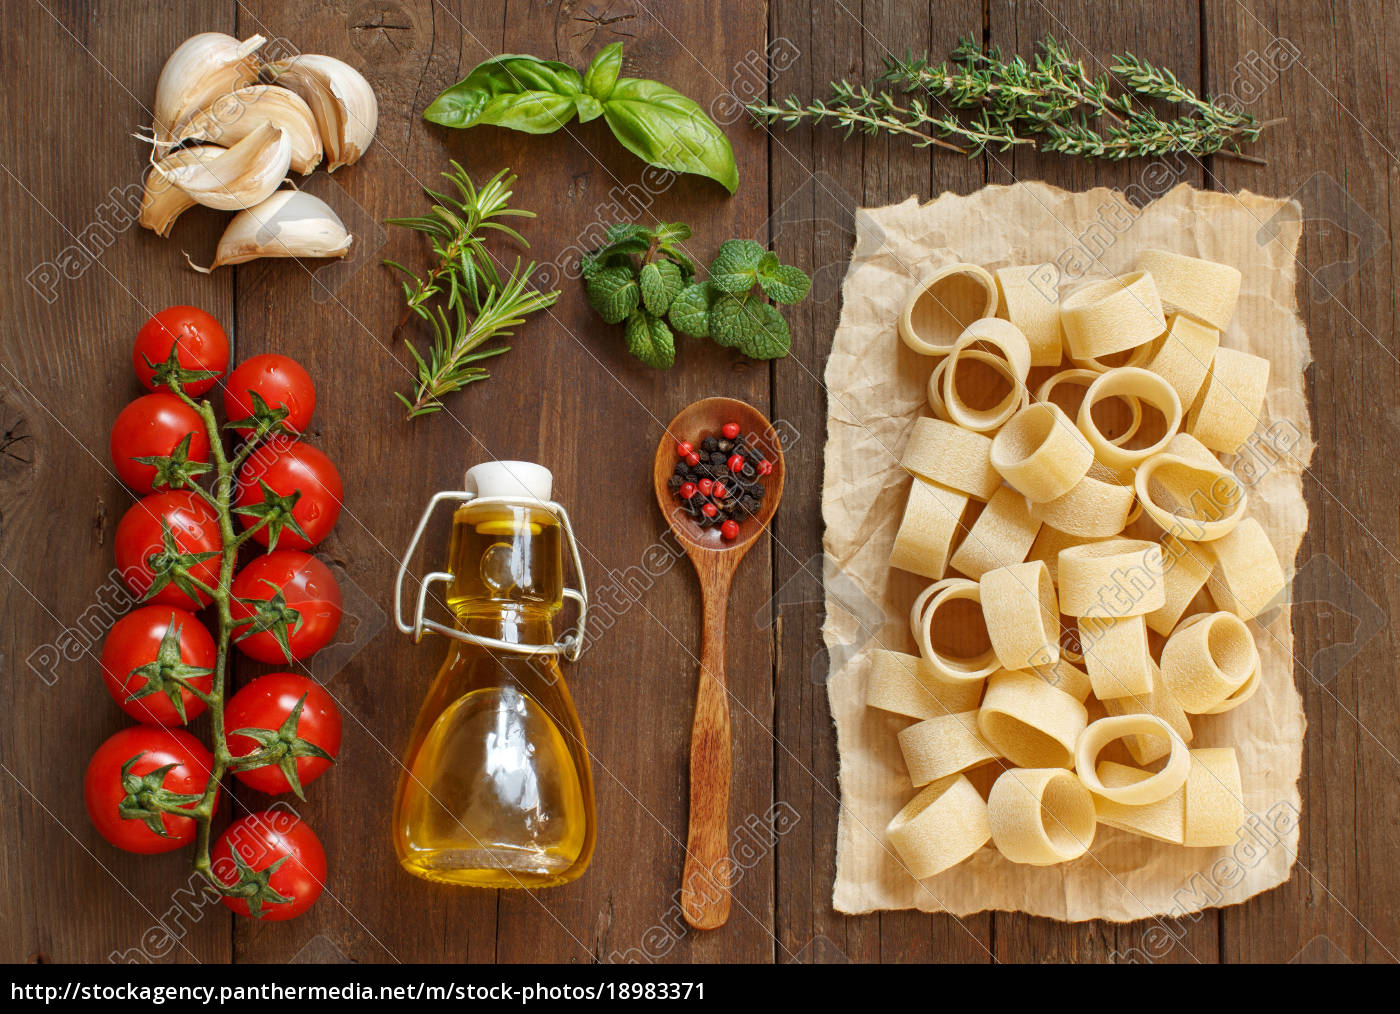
{"x":705,"y":882}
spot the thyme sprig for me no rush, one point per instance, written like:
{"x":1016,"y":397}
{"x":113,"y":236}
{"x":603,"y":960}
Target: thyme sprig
{"x":1049,"y":101}
{"x":463,"y":296}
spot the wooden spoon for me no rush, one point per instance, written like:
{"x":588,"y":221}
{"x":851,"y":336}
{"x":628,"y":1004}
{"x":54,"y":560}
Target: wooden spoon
{"x":705,"y":883}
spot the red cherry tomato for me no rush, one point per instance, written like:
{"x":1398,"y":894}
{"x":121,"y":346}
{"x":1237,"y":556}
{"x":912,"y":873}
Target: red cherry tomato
{"x":154,"y":425}
{"x":105,"y":787}
{"x":202,"y":343}
{"x":276,"y":379}
{"x":307,"y":586}
{"x":139,"y":539}
{"x":288,"y":466}
{"x":261,"y":840}
{"x":144,"y":649}
{"x":267,"y":703}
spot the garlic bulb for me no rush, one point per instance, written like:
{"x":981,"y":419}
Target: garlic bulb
{"x":231,"y":117}
{"x":290,"y":223}
{"x":162,"y":201}
{"x":238,"y":177}
{"x":202,"y":68}
{"x":342,"y":101}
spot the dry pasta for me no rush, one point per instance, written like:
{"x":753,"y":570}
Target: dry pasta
{"x":1183,"y":355}
{"x":943,"y":746}
{"x":1112,"y":315}
{"x":952,"y":457}
{"x":1215,"y":809}
{"x":1113,"y":578}
{"x":1040,"y":816}
{"x":1206,"y":659}
{"x":1029,"y":722}
{"x":1032,"y":303}
{"x":926,"y":532}
{"x":940,"y":827}
{"x":1099,"y":506}
{"x":1185,"y":571}
{"x":1246,"y":575}
{"x":1048,"y":543}
{"x":1228,"y":407}
{"x":1067,"y":677}
{"x":1137,"y":383}
{"x":1202,"y":289}
{"x":980,"y":420}
{"x":908,"y":685}
{"x":1164,"y":820}
{"x":948,"y":667}
{"x":1159,"y":786}
{"x":1144,"y":748}
{"x":1001,"y":535}
{"x":1193,"y":498}
{"x":943,"y":304}
{"x":1116,"y":656}
{"x":1041,"y":453}
{"x":1022,"y":615}
{"x":1083,"y":378}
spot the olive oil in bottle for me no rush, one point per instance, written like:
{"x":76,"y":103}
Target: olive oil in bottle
{"x":497,"y":790}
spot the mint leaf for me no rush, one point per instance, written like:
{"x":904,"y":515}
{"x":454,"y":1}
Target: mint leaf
{"x":690,"y":310}
{"x":614,"y":293}
{"x":650,"y":340}
{"x":783,"y":283}
{"x":660,"y":281}
{"x":735,"y":267}
{"x":749,"y":324}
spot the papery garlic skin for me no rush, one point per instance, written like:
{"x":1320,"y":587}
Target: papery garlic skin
{"x":162,"y":201}
{"x":202,"y":68}
{"x":231,"y":117}
{"x":346,"y":111}
{"x":240,"y":177}
{"x":290,"y":223}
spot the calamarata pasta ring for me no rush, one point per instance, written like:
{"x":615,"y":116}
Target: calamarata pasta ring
{"x":974,"y":669}
{"x":943,"y":304}
{"x":1161,"y":785}
{"x":1083,"y":378}
{"x":1138,"y":383}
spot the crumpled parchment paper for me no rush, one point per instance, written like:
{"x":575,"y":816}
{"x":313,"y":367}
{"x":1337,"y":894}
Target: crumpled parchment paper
{"x":876,"y":391}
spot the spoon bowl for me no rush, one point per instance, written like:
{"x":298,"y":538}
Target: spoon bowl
{"x":705,"y":882}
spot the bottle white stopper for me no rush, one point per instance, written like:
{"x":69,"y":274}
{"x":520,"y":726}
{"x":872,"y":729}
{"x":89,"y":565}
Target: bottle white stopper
{"x":520,"y":479}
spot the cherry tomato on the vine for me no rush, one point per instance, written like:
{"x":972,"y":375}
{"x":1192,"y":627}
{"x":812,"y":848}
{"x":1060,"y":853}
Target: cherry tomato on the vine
{"x":144,"y":559}
{"x":310,"y":606}
{"x":145,"y":651}
{"x":289,"y":466}
{"x":202,"y":343}
{"x":278,"y":380}
{"x":305,"y":748}
{"x":153,"y":426}
{"x":260,"y":841}
{"x":122,"y":800}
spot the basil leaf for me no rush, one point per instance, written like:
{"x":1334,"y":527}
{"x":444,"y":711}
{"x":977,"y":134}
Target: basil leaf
{"x":661,"y":126}
{"x":511,"y":90}
{"x":601,"y":76}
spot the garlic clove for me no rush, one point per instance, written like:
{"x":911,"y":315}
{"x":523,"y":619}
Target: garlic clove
{"x":239,"y":177}
{"x":162,"y":201}
{"x":202,"y":68}
{"x":231,"y":117}
{"x":340,"y":98}
{"x":290,"y":223}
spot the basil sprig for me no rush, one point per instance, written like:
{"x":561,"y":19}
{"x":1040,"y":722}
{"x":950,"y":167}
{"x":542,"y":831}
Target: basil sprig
{"x":652,"y":120}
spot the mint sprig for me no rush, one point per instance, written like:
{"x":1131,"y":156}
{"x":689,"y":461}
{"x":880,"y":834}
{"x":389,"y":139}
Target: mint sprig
{"x":641,"y":276}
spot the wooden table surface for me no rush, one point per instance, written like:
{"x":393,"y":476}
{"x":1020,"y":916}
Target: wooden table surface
{"x":570,"y":397}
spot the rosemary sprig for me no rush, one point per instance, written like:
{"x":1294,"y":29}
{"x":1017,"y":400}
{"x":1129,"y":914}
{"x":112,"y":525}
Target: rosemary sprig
{"x":463,"y":296}
{"x":1050,"y":102}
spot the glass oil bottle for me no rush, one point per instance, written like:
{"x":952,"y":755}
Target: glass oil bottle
{"x":497,"y":790}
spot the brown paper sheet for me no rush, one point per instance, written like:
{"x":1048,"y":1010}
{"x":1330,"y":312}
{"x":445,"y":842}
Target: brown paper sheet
{"x":876,"y":391}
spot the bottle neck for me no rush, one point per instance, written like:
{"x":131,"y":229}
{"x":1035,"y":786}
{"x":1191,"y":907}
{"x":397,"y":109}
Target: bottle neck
{"x":515,"y":623}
